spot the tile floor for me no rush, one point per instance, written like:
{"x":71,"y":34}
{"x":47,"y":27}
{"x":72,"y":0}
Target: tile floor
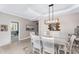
{"x":21,"y":47}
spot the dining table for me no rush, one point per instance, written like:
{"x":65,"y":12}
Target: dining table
{"x":58,"y":41}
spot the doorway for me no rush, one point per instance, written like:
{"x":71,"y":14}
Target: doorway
{"x":14,"y":32}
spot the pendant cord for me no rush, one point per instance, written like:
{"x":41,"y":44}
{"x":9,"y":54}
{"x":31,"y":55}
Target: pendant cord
{"x":49,"y":13}
{"x":52,"y":13}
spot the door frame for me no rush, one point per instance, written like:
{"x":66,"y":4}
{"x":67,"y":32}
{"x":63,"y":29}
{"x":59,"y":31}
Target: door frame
{"x":18,"y":29}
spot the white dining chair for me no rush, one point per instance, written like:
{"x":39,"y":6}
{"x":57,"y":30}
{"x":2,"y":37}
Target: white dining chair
{"x":70,"y":44}
{"x":68,"y":47}
{"x":62,"y":49}
{"x":35,"y":42}
{"x":73,"y":37}
{"x":48,"y":45}
{"x":32,"y":33}
{"x":61,"y":42}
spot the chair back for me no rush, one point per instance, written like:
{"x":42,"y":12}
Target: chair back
{"x":48,"y":44}
{"x":35,"y":40}
{"x":73,"y":37}
{"x":31,"y":35}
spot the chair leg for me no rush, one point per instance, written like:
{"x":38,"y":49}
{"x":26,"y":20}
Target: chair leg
{"x":65,"y":49}
{"x":70,"y":50}
{"x":36,"y":50}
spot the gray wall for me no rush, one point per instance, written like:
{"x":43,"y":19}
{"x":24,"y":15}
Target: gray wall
{"x":5,"y":37}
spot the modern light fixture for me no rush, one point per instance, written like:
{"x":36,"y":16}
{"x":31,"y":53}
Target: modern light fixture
{"x":52,"y":24}
{"x":50,"y":21}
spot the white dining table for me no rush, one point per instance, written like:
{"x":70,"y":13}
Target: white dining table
{"x":58,"y":41}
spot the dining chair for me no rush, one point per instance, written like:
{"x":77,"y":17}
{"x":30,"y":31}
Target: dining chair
{"x":73,"y":37}
{"x":70,"y":44}
{"x":68,"y":47}
{"x":32,"y":33}
{"x":35,"y":42}
{"x":48,"y":45}
{"x":62,"y":47}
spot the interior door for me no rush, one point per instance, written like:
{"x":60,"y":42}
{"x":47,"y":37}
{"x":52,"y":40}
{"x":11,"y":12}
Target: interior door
{"x":14,"y":31}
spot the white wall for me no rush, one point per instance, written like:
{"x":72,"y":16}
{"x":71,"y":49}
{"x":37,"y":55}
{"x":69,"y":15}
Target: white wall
{"x":5,"y":37}
{"x":68,"y":23}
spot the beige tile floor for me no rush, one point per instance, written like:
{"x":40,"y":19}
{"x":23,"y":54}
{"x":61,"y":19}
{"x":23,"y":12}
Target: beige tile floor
{"x":21,"y":47}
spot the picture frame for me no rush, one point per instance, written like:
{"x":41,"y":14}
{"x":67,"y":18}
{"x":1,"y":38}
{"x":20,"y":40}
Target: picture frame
{"x":3,"y":27}
{"x":29,"y":28}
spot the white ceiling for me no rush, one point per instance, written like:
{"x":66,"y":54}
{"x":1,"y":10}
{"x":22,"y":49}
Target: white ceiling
{"x":32,"y":11}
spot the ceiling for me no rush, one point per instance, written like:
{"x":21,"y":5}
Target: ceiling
{"x":32,"y":11}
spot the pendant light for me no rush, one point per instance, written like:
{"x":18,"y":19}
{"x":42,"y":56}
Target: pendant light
{"x":50,"y":21}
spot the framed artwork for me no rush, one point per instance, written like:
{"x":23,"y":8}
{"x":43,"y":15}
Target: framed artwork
{"x":3,"y":27}
{"x":29,"y":27}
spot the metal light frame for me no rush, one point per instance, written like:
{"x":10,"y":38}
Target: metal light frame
{"x":50,"y":21}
